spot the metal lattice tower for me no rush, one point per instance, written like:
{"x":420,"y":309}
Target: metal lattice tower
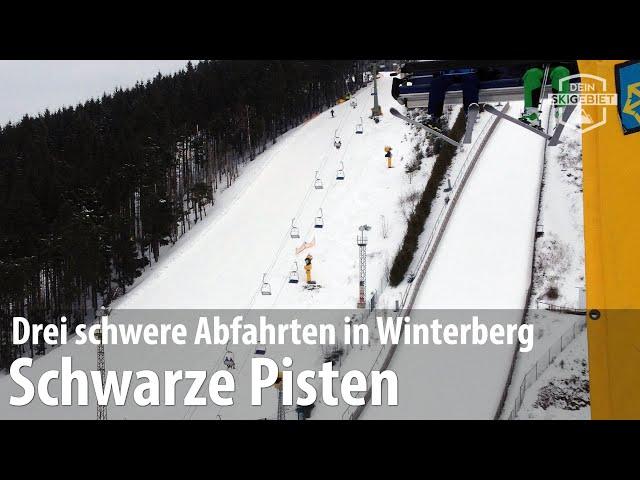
{"x":362,"y":243}
{"x":102,"y":409}
{"x":281,"y":411}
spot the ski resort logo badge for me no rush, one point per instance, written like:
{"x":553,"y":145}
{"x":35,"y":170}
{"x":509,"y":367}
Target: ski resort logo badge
{"x":628,"y":88}
{"x":593,"y":91}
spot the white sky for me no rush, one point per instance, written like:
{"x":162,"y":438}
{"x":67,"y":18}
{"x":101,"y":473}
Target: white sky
{"x":31,"y":86}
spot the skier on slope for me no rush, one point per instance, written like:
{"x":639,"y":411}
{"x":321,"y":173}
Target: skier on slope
{"x":532,"y":80}
{"x":332,"y":115}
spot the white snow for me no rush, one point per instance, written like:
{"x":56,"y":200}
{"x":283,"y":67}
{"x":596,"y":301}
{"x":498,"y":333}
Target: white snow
{"x":482,"y":263}
{"x":220,"y":262}
{"x":559,"y":254}
{"x":570,"y":367}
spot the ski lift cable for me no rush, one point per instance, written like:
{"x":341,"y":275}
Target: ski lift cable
{"x":334,"y":182}
{"x":312,"y":226}
{"x":252,"y":185}
{"x":327,"y":191}
{"x":194,"y":408}
{"x":310,"y":189}
{"x":285,"y":238}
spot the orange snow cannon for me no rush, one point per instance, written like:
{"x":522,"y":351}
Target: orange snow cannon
{"x":307,"y":267}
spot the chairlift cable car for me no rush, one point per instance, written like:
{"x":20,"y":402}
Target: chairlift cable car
{"x":340,"y":172}
{"x":336,"y":140}
{"x":293,"y":275}
{"x":319,"y":223}
{"x":228,"y":359}
{"x":360,"y":127}
{"x":295,"y":232}
{"x":266,"y":287}
{"x":318,"y":183}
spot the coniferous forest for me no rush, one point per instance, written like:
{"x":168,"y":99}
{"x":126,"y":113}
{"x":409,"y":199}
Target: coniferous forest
{"x":89,"y":194}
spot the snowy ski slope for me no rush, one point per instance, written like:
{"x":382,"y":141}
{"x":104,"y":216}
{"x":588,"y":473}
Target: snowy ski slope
{"x":483,"y":263}
{"x":220,"y":263}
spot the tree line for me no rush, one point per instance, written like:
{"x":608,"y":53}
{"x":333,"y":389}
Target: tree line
{"x":89,"y":194}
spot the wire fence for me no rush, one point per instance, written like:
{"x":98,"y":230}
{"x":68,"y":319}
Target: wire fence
{"x":544,"y":361}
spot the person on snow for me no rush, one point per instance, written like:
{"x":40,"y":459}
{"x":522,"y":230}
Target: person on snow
{"x":332,"y":115}
{"x":532,"y":80}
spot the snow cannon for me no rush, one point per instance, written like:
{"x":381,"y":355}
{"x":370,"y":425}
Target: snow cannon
{"x":278,"y":383}
{"x":308,"y":267}
{"x":388,"y":156}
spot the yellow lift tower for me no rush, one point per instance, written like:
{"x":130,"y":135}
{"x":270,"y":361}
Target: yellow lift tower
{"x":611,"y":162}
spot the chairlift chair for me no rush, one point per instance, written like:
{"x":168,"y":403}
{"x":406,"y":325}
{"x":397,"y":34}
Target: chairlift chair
{"x":318,"y":183}
{"x":266,"y":287}
{"x":340,"y":172}
{"x":319,"y":223}
{"x":293,"y":275}
{"x":228,"y":359}
{"x":336,"y":140}
{"x":360,"y":127}
{"x":295,"y":232}
{"x":261,"y":349}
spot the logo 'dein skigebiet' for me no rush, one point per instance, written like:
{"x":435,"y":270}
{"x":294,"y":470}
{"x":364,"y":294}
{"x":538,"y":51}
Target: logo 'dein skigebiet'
{"x":593,"y":91}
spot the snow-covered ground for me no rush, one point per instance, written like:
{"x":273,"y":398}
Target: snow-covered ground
{"x":559,"y":262}
{"x":562,"y":392}
{"x":219,"y":263}
{"x":482,"y":263}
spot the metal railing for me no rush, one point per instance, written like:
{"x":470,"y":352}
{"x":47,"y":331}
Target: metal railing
{"x":560,"y":308}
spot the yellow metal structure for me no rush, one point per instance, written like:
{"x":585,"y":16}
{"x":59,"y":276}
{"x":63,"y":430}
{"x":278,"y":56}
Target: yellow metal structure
{"x":611,"y":162}
{"x":307,"y":267}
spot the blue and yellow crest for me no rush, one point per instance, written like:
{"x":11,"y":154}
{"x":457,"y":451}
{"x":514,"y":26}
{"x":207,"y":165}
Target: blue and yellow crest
{"x":628,"y":86}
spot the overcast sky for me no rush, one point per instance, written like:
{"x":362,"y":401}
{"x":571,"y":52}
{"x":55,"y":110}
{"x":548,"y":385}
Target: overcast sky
{"x":31,"y":86}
